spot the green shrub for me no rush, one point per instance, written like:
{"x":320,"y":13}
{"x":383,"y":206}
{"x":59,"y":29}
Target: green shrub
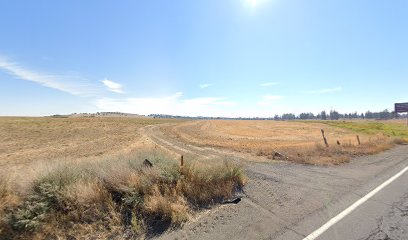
{"x":46,"y":198}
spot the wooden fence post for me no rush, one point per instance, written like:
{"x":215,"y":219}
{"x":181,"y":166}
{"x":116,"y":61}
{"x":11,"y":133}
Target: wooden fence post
{"x":181,"y":161}
{"x":324,"y":138}
{"x":358,"y":139}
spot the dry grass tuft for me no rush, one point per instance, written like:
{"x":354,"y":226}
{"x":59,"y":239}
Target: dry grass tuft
{"x":400,"y":141}
{"x":337,"y":154}
{"x":8,"y":200}
{"x":112,"y":197}
{"x":225,"y":180}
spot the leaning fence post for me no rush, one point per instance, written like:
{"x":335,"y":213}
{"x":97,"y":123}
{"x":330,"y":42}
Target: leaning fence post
{"x":181,"y":163}
{"x":324,"y":138}
{"x":358,"y":139}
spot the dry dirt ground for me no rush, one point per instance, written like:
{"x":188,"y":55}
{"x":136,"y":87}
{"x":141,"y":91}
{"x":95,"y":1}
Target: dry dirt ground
{"x":279,"y":194}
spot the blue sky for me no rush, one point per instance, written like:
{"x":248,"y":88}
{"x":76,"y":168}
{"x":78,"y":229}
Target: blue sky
{"x":202,"y":57}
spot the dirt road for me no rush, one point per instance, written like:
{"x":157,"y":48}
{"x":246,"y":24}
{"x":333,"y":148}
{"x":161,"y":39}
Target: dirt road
{"x":281,"y":200}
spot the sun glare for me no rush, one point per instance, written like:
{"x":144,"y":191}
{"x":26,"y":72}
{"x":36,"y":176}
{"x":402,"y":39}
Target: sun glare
{"x":254,"y":4}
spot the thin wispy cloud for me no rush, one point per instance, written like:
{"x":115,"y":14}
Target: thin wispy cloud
{"x":112,"y":86}
{"x":74,"y":85}
{"x":324,"y":90}
{"x":173,"y":104}
{"x":269,"y":99}
{"x":205,"y":85}
{"x":268,"y":84}
{"x":207,"y":101}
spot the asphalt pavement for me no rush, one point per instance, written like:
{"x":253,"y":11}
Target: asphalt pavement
{"x":383,"y":216}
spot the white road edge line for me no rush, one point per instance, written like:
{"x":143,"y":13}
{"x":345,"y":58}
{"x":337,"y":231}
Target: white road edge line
{"x":348,"y":210}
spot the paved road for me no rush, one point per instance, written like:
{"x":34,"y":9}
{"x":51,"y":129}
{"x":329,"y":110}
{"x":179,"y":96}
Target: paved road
{"x":383,"y":217}
{"x":289,"y":201}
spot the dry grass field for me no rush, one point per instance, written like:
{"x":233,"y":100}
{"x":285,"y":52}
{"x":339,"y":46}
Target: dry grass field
{"x":40,"y":138}
{"x":299,"y":141}
{"x":84,"y":178}
{"x":259,"y":134}
{"x":396,"y":128}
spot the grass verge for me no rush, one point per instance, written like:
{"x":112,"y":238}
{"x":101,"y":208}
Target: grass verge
{"x":334,"y":154}
{"x":113,"y":198}
{"x":381,"y":136}
{"x":393,"y":130}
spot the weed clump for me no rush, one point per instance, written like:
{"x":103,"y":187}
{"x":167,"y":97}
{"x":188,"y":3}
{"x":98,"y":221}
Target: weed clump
{"x":338,"y":154}
{"x":115,"y":197}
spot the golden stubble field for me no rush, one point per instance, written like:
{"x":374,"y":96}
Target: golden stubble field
{"x":25,"y":139}
{"x":300,"y":140}
{"x":260,"y":134}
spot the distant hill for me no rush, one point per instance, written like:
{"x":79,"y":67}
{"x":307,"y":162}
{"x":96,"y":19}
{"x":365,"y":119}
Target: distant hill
{"x":101,"y":114}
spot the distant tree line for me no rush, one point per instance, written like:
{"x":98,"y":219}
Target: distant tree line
{"x":323,"y":115}
{"x":207,"y":118}
{"x":335,"y":115}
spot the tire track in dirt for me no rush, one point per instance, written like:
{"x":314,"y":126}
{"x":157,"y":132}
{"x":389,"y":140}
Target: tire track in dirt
{"x":171,"y":144}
